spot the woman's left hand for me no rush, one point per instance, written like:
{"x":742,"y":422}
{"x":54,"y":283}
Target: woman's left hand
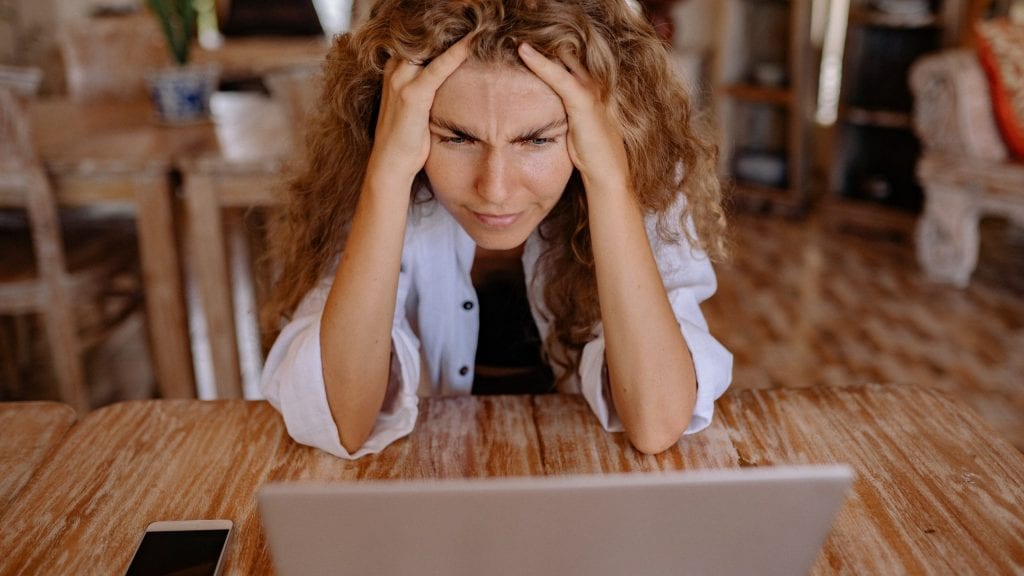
{"x":650,"y":371}
{"x":595,"y":141}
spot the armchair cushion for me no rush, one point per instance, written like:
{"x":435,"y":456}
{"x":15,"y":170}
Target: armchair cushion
{"x":1001,"y":51}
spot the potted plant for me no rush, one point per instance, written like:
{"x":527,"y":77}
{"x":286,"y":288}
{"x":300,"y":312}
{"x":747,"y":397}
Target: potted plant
{"x":181,"y":93}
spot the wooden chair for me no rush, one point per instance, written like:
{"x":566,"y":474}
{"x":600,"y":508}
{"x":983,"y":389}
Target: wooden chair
{"x":82,"y":281}
{"x":107,"y":58}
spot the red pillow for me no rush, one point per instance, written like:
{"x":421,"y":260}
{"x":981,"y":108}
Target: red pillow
{"x":1001,"y":52}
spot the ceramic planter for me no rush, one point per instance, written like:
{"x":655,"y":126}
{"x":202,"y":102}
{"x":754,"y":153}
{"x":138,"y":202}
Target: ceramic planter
{"x":182,"y":94}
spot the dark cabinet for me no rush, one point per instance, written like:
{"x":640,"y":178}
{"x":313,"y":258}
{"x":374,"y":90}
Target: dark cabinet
{"x":875,"y":150}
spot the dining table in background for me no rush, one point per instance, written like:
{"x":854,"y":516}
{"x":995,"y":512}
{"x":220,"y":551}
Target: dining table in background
{"x":28,"y":432}
{"x":120,"y":155}
{"x":117,"y":155}
{"x":247,"y":59}
{"x":937,"y":491}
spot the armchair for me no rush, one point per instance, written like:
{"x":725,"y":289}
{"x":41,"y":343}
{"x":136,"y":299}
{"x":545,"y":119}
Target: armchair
{"x":965,"y":169}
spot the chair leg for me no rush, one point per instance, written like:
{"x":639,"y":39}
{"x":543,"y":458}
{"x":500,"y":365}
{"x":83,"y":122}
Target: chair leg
{"x":8,"y":360}
{"x":66,"y":351}
{"x":947,"y":235}
{"x":56,"y":301}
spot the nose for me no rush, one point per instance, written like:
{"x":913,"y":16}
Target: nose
{"x":494,"y":179}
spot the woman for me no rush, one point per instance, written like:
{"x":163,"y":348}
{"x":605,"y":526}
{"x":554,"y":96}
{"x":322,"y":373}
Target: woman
{"x":467,"y":151}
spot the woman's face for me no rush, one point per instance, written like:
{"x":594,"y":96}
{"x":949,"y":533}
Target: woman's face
{"x":498,"y":158}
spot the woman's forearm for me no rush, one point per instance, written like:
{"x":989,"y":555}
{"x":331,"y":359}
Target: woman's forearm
{"x":651,"y":372}
{"x":652,"y":377}
{"x":355,"y":332}
{"x":355,"y":336}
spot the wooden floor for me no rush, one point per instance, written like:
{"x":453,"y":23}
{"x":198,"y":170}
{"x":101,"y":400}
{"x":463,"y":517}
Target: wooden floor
{"x":804,"y":305}
{"x":800,"y":305}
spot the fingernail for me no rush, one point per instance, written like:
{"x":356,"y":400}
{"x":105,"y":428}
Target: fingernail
{"x":527,"y":49}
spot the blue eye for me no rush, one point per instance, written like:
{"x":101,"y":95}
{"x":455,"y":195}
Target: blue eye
{"x":454,"y":139}
{"x":540,"y":141}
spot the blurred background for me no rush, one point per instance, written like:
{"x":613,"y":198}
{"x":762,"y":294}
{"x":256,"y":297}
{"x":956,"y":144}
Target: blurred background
{"x":867,"y":149}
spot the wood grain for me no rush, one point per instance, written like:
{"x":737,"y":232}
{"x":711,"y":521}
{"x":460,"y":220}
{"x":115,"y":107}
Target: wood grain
{"x":573,"y":442}
{"x":130,"y":464}
{"x":30,"y":431}
{"x":937,"y":491}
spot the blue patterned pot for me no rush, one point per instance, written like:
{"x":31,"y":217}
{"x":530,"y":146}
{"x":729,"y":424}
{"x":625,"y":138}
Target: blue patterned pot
{"x":182,"y":95}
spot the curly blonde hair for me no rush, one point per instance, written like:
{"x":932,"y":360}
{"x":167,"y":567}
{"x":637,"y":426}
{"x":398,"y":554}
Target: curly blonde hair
{"x":668,"y":154}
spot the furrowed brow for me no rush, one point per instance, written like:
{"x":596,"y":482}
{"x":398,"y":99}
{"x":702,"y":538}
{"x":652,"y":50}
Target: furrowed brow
{"x":452,"y":127}
{"x":538,"y":132}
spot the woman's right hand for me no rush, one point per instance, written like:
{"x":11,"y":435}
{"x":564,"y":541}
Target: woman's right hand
{"x":355,"y":328}
{"x":402,"y":138}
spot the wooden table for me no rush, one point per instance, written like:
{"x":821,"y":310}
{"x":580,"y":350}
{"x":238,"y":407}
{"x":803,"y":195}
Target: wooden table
{"x":117,"y":154}
{"x":28,"y":432}
{"x":244,"y":59}
{"x":104,"y":154}
{"x":937,"y":491}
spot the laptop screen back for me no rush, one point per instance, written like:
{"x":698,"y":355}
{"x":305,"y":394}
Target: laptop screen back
{"x":746,"y":521}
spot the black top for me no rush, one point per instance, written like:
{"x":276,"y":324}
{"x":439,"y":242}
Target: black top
{"x":508,"y":353}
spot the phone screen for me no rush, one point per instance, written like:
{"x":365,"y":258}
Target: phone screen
{"x":192,"y":552}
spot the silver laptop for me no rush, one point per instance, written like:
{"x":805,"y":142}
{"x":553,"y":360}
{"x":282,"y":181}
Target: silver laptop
{"x":746,"y":521}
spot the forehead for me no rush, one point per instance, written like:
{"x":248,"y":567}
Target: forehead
{"x":478,"y":90}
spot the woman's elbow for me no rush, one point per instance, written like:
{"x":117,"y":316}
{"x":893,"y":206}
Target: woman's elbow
{"x":354,"y":428}
{"x":657,"y":439}
{"x":352,"y":441}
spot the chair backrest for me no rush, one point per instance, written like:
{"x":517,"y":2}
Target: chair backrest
{"x":16,"y":153}
{"x":107,"y":58}
{"x":23,"y":80}
{"x":24,"y":184}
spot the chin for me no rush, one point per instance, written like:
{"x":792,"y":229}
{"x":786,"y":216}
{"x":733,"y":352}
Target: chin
{"x":491,"y":241}
{"x":491,"y":238}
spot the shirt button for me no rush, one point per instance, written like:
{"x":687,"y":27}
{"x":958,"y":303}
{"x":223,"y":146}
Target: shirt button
{"x":467,"y":305}
{"x":464,"y":370}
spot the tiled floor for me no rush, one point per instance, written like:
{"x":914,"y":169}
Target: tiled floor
{"x":800,"y":305}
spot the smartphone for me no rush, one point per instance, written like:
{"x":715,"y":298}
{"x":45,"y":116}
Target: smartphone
{"x":193,"y":547}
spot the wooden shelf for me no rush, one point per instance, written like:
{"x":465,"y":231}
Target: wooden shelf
{"x":780,"y":96}
{"x":878,"y":19}
{"x":880,"y":118}
{"x":872,"y":181}
{"x":765,"y":36}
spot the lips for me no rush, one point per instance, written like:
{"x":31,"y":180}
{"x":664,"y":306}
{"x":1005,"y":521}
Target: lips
{"x":497,"y":220}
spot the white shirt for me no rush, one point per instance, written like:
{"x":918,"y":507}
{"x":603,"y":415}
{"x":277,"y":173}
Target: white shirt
{"x":434,"y":335}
